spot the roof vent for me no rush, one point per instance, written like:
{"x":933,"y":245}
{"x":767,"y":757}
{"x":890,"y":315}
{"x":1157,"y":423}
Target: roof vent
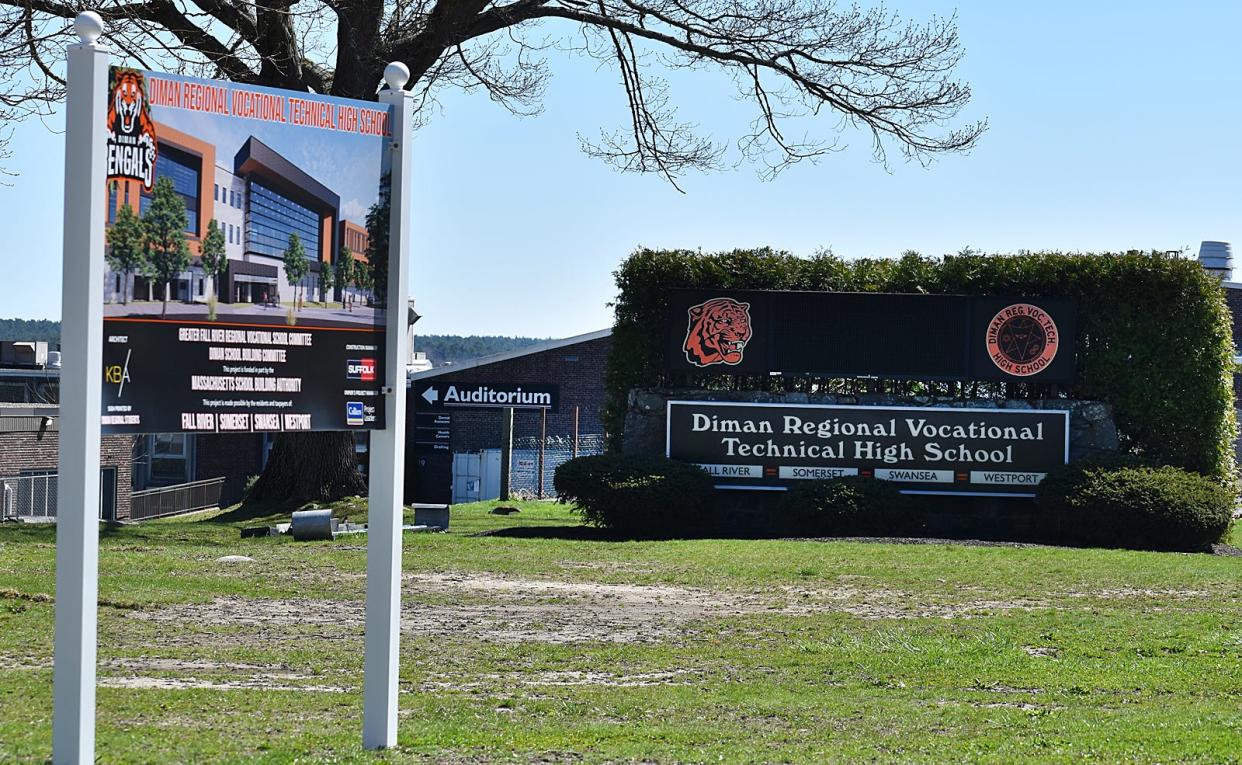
{"x":1217,"y":259}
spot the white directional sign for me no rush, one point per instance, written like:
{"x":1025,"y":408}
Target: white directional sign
{"x":433,"y":394}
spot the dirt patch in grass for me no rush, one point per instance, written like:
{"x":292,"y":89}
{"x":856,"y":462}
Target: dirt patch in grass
{"x":249,"y":683}
{"x":512,"y":610}
{"x":561,"y":678}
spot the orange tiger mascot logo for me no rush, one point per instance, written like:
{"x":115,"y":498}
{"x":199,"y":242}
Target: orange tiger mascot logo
{"x":718,"y":332}
{"x":131,"y":133}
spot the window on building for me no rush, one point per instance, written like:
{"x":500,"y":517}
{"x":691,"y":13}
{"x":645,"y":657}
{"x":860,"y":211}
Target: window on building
{"x":217,"y":197}
{"x":182,"y":169}
{"x":170,"y":459}
{"x":273,"y":217}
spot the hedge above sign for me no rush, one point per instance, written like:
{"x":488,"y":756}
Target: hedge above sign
{"x":926,"y":450}
{"x":893,"y":336}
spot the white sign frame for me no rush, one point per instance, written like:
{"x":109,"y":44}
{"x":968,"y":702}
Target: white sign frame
{"x":77,"y":508}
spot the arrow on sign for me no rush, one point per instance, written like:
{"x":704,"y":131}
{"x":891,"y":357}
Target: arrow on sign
{"x":432,"y":395}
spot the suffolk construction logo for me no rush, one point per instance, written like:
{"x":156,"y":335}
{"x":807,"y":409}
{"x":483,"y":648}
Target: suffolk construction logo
{"x":718,"y":332}
{"x":131,"y":133}
{"x":1022,"y":339}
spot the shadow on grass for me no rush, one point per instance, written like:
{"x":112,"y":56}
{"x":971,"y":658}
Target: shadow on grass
{"x":594,"y":534}
{"x":253,"y":511}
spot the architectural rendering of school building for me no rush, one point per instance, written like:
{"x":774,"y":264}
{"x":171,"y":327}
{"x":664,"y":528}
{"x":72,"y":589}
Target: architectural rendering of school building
{"x":258,"y":198}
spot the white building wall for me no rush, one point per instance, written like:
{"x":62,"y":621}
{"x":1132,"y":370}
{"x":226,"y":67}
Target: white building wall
{"x":231,"y":212}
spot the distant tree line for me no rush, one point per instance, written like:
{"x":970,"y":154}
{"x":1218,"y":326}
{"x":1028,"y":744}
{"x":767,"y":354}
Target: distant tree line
{"x":30,"y":329}
{"x":442,"y":349}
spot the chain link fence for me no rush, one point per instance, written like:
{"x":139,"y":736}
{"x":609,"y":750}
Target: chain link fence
{"x":28,"y":496}
{"x":526,"y":481}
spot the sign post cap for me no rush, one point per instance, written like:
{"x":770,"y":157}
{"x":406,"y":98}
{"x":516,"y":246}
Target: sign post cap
{"x":89,"y":26}
{"x":396,"y":75}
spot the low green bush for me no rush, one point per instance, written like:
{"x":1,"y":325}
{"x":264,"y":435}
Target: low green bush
{"x":846,"y":506}
{"x":1137,"y":506}
{"x":640,"y":495}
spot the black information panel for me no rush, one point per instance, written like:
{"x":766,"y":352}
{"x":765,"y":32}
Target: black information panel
{"x":432,"y":433}
{"x":894,"y":336}
{"x":430,"y":478}
{"x":1004,"y":452}
{"x":191,"y":377}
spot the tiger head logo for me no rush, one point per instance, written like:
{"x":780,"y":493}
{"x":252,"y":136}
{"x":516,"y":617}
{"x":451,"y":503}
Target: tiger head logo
{"x":718,"y":332}
{"x":131,"y":133}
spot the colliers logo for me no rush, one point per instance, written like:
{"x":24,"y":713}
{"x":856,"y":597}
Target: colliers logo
{"x":360,"y":369}
{"x":1022,"y":339}
{"x":131,"y":133}
{"x":718,"y":332}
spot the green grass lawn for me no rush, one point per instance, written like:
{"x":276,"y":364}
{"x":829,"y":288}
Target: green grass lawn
{"x":559,"y":650}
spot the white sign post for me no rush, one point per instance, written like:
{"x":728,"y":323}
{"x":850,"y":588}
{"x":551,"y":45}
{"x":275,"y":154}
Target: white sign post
{"x":77,"y":525}
{"x":387,"y":471}
{"x":81,"y":335}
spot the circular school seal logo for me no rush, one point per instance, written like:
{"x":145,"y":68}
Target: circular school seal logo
{"x":1022,"y":339}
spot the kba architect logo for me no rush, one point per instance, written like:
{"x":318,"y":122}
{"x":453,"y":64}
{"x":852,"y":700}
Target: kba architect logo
{"x":353,"y":413}
{"x":718,"y":332}
{"x":1022,"y":339}
{"x":131,"y":133}
{"x":360,"y":369}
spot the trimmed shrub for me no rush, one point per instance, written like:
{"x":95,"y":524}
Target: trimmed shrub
{"x":1139,"y":507}
{"x":845,"y":506}
{"x":1154,"y":334}
{"x":640,"y":495}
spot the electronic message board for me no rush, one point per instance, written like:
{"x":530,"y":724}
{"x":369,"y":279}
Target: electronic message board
{"x":242,"y":292}
{"x":892,"y":336}
{"x":925,"y":450}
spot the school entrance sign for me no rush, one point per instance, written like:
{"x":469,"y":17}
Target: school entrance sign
{"x":924,"y":450}
{"x":243,"y":362}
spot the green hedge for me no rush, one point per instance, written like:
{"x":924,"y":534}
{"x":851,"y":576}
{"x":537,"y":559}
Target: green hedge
{"x":852,"y":505}
{"x":1140,"y":507}
{"x":1154,"y":333}
{"x":637,"y":494}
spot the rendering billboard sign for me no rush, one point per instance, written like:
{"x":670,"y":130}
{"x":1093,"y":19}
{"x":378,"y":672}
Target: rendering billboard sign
{"x":925,"y":450}
{"x":158,"y":210}
{"x":433,"y":394}
{"x":893,"y":336}
{"x":232,"y":302}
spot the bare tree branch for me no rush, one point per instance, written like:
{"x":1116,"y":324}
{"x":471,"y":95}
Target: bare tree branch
{"x":813,"y":72}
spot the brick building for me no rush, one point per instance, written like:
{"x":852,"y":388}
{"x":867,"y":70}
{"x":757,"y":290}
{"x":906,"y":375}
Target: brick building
{"x":29,"y":451}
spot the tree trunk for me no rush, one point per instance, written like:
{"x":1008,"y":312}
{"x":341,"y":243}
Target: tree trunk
{"x":310,"y":467}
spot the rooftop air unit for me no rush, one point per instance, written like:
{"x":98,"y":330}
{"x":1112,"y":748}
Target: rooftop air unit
{"x":1217,"y":259}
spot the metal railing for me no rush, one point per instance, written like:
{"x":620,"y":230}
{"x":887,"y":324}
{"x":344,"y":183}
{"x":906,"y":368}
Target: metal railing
{"x":175,"y":500}
{"x":28,"y":496}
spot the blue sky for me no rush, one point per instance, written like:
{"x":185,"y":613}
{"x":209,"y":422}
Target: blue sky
{"x":1112,"y":126}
